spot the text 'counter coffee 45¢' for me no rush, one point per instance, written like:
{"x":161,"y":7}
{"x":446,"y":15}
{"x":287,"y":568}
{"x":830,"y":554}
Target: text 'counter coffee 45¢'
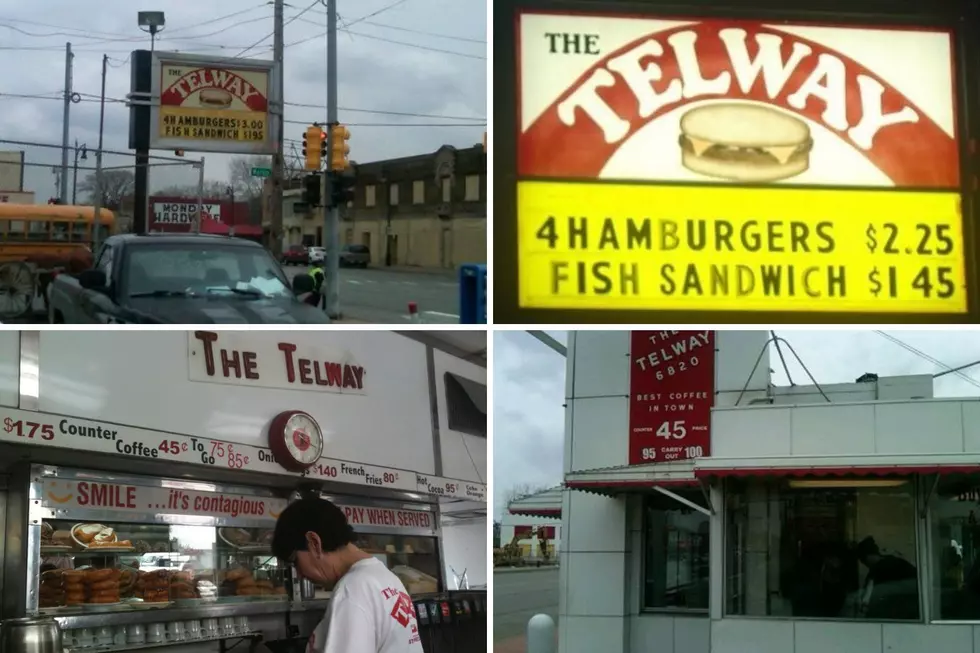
{"x":737,"y":165}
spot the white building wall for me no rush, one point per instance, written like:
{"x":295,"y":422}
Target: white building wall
{"x":601,"y":548}
{"x":509,"y":521}
{"x":465,"y":548}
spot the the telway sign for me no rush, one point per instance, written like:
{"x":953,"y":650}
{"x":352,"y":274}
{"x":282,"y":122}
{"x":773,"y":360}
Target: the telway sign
{"x":694,"y":156}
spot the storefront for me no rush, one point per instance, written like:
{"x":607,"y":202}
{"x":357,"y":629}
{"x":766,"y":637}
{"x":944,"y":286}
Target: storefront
{"x":707,"y":510}
{"x":141,"y":474}
{"x":533,"y":524}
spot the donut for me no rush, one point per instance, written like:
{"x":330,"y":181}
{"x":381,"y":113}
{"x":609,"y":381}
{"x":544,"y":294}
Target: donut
{"x":75,"y":588}
{"x":72,"y":576}
{"x":237,"y":574}
{"x":249,"y":591}
{"x":109,"y":584}
{"x":106,"y":598}
{"x":74,"y":599}
{"x":96,"y":575}
{"x":248,"y":581}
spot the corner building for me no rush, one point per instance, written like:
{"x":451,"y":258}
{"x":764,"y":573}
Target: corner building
{"x":764,"y":543}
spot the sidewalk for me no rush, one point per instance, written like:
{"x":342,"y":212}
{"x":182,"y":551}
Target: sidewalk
{"x":515,"y":645}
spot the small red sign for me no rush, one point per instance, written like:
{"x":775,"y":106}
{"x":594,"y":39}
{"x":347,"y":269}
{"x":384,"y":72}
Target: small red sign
{"x":672,"y":390}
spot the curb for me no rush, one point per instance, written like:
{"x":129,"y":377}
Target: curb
{"x":513,"y":570}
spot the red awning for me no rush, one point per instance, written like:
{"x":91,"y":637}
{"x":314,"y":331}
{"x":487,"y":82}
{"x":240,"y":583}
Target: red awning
{"x":612,"y":488}
{"x":535,"y":512}
{"x":211,"y":226}
{"x":796,"y":472}
{"x":250,"y":230}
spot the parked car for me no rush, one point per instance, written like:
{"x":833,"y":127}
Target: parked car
{"x":355,"y":256}
{"x":295,"y":255}
{"x":316,"y":255}
{"x":181,"y":279}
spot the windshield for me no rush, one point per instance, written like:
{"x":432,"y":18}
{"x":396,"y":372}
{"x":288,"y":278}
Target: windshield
{"x":193,"y":270}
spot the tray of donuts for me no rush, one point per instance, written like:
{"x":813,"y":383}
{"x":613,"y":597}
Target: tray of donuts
{"x":240,"y":584}
{"x":91,"y":589}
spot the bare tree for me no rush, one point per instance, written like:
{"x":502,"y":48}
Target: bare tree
{"x":519,"y":491}
{"x":212,"y":190}
{"x":115,"y":185}
{"x":240,"y":172}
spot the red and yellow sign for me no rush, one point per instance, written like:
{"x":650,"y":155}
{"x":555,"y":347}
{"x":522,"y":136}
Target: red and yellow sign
{"x":214,"y":104}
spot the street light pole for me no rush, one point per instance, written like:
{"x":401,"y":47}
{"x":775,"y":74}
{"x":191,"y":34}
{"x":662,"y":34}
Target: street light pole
{"x":74,"y":178}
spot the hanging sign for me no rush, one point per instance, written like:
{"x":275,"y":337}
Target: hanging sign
{"x":672,"y":390}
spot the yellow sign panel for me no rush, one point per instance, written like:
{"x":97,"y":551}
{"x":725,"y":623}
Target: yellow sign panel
{"x":618,"y":246}
{"x":205,"y":124}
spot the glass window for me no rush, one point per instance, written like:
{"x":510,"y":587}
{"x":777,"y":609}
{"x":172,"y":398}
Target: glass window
{"x":418,"y":192}
{"x":17,"y":229}
{"x":38,"y":230}
{"x":831,"y":549}
{"x":80,"y":232}
{"x":59,"y":231}
{"x":675,"y":553}
{"x":243,"y":271}
{"x":414,"y":560}
{"x":393,"y":194}
{"x":472,"y":189}
{"x":447,"y":190}
{"x":369,"y":195}
{"x":122,"y":565}
{"x":956,"y":548}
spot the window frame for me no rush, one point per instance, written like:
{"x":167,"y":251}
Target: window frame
{"x":921,"y":554}
{"x":644,"y":543}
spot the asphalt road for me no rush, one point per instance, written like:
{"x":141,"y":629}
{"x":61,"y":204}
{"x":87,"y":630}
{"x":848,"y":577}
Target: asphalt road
{"x":518,"y":596}
{"x":381,"y":296}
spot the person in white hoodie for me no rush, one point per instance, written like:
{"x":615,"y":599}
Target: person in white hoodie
{"x":370,"y":611}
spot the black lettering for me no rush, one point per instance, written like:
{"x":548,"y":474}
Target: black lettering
{"x":723,"y":235}
{"x":668,"y":236}
{"x":572,"y":43}
{"x":578,"y":231}
{"x":720,"y":280}
{"x":750,"y":238}
{"x":825,"y":234}
{"x":638,"y":235}
{"x":608,"y":235}
{"x":776,"y":235}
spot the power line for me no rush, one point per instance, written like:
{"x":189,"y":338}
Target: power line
{"x":927,"y":357}
{"x":270,"y":34}
{"x":455,"y":53}
{"x":388,"y":113}
{"x":375,"y":13}
{"x":462,"y":39}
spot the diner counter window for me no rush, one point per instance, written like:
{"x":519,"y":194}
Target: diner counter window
{"x":821,"y":548}
{"x":675,"y":565}
{"x":955,"y":554}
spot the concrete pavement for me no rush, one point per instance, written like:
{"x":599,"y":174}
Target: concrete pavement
{"x":381,"y":295}
{"x":518,"y":595}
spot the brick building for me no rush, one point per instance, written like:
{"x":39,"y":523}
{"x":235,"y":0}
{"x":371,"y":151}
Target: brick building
{"x":428,"y":210}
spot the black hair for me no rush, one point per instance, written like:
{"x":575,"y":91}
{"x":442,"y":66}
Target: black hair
{"x":867,"y":547}
{"x":310,"y":514}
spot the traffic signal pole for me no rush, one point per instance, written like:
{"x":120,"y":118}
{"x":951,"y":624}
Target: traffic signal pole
{"x":277,"y":161}
{"x":331,"y":231}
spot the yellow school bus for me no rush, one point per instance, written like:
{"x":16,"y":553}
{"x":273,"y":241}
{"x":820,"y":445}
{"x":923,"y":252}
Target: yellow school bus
{"x":39,"y":241}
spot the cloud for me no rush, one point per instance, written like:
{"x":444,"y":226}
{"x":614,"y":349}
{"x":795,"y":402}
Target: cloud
{"x":440,"y":76}
{"x":529,"y":386}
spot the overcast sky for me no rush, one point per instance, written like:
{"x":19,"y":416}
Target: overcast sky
{"x":408,"y":56}
{"x":529,"y":384}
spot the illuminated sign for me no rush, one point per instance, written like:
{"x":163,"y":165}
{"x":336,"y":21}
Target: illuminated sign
{"x":212,"y":104}
{"x":694,"y":159}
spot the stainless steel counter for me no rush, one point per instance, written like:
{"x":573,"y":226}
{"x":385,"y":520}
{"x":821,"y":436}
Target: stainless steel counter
{"x":162,"y":615}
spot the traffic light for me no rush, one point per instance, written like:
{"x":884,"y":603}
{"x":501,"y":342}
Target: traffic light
{"x":343,"y":187}
{"x":312,"y":147}
{"x":311,"y":190}
{"x":339,"y":148}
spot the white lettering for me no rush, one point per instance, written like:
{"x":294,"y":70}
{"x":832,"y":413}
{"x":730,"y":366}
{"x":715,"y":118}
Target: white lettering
{"x":872,"y":118}
{"x":833,"y":92}
{"x":695,"y":84}
{"x":585,"y":97}
{"x":768,"y":61}
{"x":638,"y":78}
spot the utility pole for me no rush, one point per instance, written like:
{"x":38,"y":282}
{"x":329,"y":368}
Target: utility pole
{"x":98,"y":163}
{"x":331,"y":231}
{"x":64,"y":124}
{"x":277,"y":158}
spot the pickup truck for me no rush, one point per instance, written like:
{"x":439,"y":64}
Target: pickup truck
{"x":180,"y":279}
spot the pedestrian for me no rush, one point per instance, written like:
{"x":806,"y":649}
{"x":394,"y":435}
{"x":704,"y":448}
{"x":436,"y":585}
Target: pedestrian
{"x":303,"y":287}
{"x":370,"y":611}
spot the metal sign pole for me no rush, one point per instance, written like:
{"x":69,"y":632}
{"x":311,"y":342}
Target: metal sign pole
{"x":331,"y":233}
{"x":200,"y":197}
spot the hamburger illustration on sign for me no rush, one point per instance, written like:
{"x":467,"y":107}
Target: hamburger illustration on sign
{"x":744,"y":142}
{"x":747,"y":101}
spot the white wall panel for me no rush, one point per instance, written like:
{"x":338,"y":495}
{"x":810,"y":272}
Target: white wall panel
{"x":831,"y":430}
{"x":126,"y":376}
{"x":9,"y":368}
{"x":752,"y":636}
{"x":920,"y":638}
{"x":919,"y":427}
{"x":600,"y":433}
{"x":737,"y":353}
{"x":821,"y":637}
{"x":602,"y":364}
{"x":748,"y":432}
{"x":464,"y":456}
{"x":599,"y":523}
